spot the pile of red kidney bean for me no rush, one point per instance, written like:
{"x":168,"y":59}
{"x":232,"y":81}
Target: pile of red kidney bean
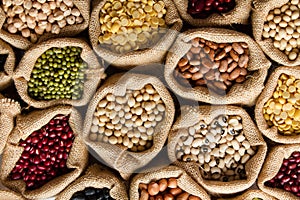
{"x":204,"y":8}
{"x":45,"y":153}
{"x":288,"y":177}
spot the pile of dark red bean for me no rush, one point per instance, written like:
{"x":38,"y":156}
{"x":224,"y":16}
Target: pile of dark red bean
{"x":45,"y":153}
{"x":90,"y":193}
{"x":3,"y":58}
{"x":288,"y":177}
{"x":204,"y":8}
{"x":216,"y":65}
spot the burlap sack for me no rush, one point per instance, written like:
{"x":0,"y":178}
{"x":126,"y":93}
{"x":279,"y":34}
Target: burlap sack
{"x":267,"y":93}
{"x":26,"y":124}
{"x":117,"y":156}
{"x":96,"y":177}
{"x":70,"y":30}
{"x":184,"y":182}
{"x":154,"y":54}
{"x":245,"y":93}
{"x":10,"y":195}
{"x":271,"y":167}
{"x":238,"y":15}
{"x":192,"y":115}
{"x":259,"y":14}
{"x":250,"y":195}
{"x":94,"y":73}
{"x":8,"y":110}
{"x":6,"y":75}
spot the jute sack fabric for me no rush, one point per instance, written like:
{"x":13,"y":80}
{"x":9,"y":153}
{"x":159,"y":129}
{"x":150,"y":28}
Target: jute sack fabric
{"x":259,"y":15}
{"x":20,"y":42}
{"x":97,"y":177}
{"x":245,"y":93}
{"x":8,"y":110}
{"x":154,"y":54}
{"x":272,"y":132}
{"x":250,"y":195}
{"x":10,"y":195}
{"x":192,"y":115}
{"x":117,"y":156}
{"x":272,"y":166}
{"x":184,"y":181}
{"x":94,"y":73}
{"x":6,"y":75}
{"x":25,"y":125}
{"x":238,"y":15}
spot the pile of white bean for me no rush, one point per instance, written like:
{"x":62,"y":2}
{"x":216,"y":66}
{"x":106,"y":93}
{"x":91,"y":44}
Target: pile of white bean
{"x":220,"y":148}
{"x":283,"y":26}
{"x":129,"y":120}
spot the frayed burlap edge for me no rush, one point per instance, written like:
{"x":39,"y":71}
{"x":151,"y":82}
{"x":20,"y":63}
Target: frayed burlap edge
{"x":250,"y":195}
{"x":189,"y":117}
{"x":267,"y":93}
{"x":271,"y":167}
{"x":71,"y":30}
{"x":6,"y":75}
{"x":154,"y":54}
{"x":245,"y":93}
{"x":94,"y":73}
{"x":259,"y":14}
{"x":26,"y":124}
{"x":96,"y":177}
{"x":238,"y":15}
{"x":117,"y":156}
{"x":184,"y":181}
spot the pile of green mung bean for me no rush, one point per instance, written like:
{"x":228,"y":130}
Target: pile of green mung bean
{"x":59,"y":73}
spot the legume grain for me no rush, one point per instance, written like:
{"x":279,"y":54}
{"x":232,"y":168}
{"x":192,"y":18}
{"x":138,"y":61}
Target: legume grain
{"x":90,"y":193}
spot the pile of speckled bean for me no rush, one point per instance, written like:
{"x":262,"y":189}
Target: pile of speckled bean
{"x":283,"y":108}
{"x":220,"y":148}
{"x":217,"y":66}
{"x":129,"y":120}
{"x":131,"y":25}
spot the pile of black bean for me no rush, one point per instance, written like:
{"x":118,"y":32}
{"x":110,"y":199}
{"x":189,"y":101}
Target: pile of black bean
{"x":90,"y":193}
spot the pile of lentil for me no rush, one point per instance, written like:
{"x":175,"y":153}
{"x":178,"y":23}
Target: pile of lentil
{"x":283,"y":108}
{"x":91,"y":193}
{"x":218,"y":66}
{"x":220,"y":148}
{"x":129,"y":120}
{"x":59,"y":73}
{"x":283,"y":27}
{"x":164,"y":189}
{"x":131,"y":25}
{"x":34,"y":18}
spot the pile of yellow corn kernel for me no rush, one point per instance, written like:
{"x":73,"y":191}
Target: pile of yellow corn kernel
{"x":283,"y":109}
{"x":128,"y":25}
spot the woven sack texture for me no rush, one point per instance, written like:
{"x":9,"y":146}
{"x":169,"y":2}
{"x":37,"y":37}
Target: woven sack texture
{"x":245,"y":93}
{"x":238,"y":15}
{"x":271,"y":167}
{"x":250,"y":195}
{"x":10,"y":195}
{"x":8,"y":110}
{"x":6,"y":75}
{"x":117,"y":156}
{"x":259,"y":15}
{"x":96,"y":177}
{"x":94,"y":73}
{"x":70,"y":30}
{"x":154,"y":54}
{"x":25,"y":125}
{"x":267,"y":93}
{"x":192,"y":115}
{"x":184,"y":181}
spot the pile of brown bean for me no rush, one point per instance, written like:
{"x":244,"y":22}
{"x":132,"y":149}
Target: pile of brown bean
{"x":34,"y":18}
{"x":283,"y":108}
{"x":129,"y":120}
{"x":131,"y":25}
{"x":220,"y":148}
{"x":164,"y":189}
{"x":283,"y":26}
{"x":215,"y":65}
